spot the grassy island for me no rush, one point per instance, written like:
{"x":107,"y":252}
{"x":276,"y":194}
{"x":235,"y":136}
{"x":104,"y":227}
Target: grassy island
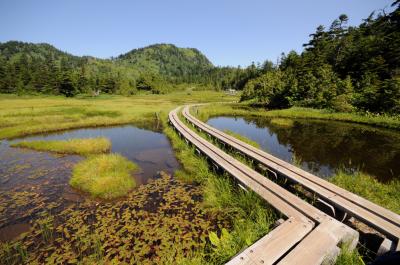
{"x":105,"y":176}
{"x":72,"y":146}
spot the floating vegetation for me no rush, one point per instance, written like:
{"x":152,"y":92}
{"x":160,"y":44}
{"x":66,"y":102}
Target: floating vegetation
{"x":19,"y":206}
{"x":156,"y":223}
{"x":106,"y":176}
{"x":72,"y":146}
{"x":282,"y":122}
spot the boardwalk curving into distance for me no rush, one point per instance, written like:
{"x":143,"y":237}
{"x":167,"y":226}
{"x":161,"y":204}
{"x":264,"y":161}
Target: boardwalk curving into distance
{"x":307,"y":236}
{"x":381,"y":219}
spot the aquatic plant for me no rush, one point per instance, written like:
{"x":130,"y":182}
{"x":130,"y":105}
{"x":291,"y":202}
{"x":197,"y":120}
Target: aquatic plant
{"x":78,"y":146}
{"x":46,"y":226}
{"x":12,"y":253}
{"x":160,"y":222}
{"x":106,"y":176}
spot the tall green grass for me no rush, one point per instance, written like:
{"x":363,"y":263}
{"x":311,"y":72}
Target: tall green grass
{"x":385,"y":194}
{"x":349,"y":257}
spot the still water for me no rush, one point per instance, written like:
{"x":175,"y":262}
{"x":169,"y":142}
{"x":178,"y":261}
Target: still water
{"x":323,"y":147}
{"x":31,"y":181}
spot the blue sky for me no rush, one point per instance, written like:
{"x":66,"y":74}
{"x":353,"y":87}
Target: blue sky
{"x":227,"y":32}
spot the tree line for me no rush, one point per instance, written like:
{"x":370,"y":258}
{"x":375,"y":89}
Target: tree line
{"x":342,"y":68}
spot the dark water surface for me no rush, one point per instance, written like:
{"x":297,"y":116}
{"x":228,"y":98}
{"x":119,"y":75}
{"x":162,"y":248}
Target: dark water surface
{"x":31,"y":181}
{"x":323,"y":146}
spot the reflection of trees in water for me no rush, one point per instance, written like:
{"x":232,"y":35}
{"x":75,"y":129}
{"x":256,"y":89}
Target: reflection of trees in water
{"x":337,"y":144}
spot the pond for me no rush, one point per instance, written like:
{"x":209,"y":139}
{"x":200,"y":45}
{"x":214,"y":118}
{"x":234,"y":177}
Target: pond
{"x":323,"y":147}
{"x":32,"y":181}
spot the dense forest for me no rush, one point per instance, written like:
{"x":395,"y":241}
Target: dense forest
{"x":343,"y":68}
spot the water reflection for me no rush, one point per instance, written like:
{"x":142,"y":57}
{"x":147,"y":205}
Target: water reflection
{"x":323,"y":146}
{"x":150,"y":150}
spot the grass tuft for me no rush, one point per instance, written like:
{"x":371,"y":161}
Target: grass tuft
{"x":349,"y":257}
{"x":72,"y":146}
{"x":105,"y":176}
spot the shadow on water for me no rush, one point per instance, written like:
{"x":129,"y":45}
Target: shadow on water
{"x":32,"y":181}
{"x":323,"y":147}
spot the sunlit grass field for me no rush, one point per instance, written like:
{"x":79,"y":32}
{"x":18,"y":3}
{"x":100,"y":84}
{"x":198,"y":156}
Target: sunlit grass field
{"x":25,"y":115}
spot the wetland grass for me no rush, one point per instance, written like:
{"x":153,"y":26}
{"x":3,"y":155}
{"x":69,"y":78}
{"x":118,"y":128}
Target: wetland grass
{"x":105,"y":176}
{"x":27,"y":115}
{"x":235,"y":109}
{"x":386,"y":195}
{"x":84,"y":147}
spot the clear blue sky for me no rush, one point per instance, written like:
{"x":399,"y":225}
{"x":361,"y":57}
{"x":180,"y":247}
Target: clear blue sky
{"x":227,"y":32}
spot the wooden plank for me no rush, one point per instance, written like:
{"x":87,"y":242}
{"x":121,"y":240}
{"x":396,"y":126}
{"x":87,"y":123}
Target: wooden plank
{"x":275,"y":244}
{"x":281,"y":199}
{"x":281,"y":206}
{"x":338,"y":199}
{"x":321,"y":245}
{"x":253,"y":179}
{"x":383,"y":212}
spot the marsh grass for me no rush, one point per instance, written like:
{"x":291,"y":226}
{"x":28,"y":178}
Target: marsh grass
{"x":349,"y":257}
{"x":385,"y":194}
{"x":13,"y":253}
{"x":46,"y":227}
{"x":85,"y":146}
{"x":242,"y":138}
{"x":106,"y":176}
{"x":234,"y":109}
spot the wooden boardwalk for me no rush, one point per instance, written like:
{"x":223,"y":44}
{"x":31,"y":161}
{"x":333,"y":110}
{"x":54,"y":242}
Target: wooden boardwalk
{"x":308,"y":236}
{"x":381,"y":219}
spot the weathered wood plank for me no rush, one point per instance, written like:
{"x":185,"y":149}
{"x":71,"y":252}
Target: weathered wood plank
{"x":321,"y":245}
{"x":275,"y":244}
{"x":283,"y":200}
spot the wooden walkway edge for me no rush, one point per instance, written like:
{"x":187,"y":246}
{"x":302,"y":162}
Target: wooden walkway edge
{"x":303,"y":220}
{"x":381,"y":219}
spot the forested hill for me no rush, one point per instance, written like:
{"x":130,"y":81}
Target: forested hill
{"x":41,"y":68}
{"x":168,"y":60}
